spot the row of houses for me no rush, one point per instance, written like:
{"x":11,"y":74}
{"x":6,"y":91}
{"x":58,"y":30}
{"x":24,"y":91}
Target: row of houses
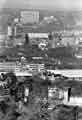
{"x":19,"y":68}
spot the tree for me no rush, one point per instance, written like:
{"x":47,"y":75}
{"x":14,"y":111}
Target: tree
{"x":50,"y":36}
{"x":26,"y":39}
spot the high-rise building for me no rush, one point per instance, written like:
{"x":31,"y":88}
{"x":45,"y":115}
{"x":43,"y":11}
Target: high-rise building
{"x":9,"y":31}
{"x":29,"y":17}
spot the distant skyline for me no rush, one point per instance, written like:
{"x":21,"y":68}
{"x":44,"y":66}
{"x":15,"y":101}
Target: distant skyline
{"x":42,"y":4}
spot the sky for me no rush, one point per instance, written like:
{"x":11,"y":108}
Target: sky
{"x":42,"y":4}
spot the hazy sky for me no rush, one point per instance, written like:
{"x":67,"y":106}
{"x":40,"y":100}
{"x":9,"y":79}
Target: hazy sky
{"x":49,"y":4}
